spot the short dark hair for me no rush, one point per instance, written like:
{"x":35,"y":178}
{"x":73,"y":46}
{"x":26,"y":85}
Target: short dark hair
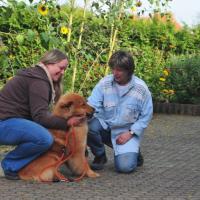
{"x":123,"y":60}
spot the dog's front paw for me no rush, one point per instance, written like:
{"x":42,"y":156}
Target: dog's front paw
{"x":91,"y":174}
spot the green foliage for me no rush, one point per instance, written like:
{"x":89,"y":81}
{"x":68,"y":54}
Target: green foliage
{"x":184,"y":78}
{"x":186,"y":41}
{"x":26,"y":33}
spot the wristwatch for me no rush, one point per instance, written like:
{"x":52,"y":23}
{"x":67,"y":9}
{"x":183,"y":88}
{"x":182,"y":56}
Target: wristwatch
{"x":131,"y":132}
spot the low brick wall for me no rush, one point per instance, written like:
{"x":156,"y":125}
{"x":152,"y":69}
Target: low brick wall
{"x":175,"y":108}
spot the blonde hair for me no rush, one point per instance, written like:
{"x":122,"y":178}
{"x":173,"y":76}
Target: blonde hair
{"x":52,"y":57}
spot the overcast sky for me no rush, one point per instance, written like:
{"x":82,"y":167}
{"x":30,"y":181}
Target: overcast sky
{"x":187,"y":11}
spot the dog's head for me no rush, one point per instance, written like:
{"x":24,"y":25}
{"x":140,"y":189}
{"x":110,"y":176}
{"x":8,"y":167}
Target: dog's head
{"x":72,"y":105}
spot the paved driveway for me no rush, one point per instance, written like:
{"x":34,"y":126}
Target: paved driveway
{"x":171,"y":171}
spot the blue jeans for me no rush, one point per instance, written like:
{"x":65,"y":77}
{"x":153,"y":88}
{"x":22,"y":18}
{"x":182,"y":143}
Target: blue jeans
{"x":98,"y":136}
{"x":30,"y":138}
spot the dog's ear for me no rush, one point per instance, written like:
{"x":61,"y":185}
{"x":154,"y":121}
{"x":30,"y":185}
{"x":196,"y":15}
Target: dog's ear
{"x":66,"y":104}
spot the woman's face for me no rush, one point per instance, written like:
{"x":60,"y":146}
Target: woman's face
{"x":121,"y":76}
{"x":57,"y":70}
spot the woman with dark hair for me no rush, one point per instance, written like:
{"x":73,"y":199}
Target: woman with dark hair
{"x":24,"y":111}
{"x":123,"y":109}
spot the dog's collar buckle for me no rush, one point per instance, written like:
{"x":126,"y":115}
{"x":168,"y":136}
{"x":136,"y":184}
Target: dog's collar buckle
{"x":64,"y":150}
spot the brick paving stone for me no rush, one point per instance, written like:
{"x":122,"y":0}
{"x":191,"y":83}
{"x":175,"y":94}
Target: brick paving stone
{"x":171,"y":170}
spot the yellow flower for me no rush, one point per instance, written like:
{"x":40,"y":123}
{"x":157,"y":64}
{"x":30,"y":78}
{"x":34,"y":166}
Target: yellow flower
{"x":134,"y":9}
{"x":166,"y":72}
{"x":172,"y":46}
{"x":10,"y":78}
{"x":171,"y":91}
{"x":162,"y":79}
{"x":42,"y":9}
{"x":64,"y":30}
{"x":11,"y":56}
{"x":165,"y":91}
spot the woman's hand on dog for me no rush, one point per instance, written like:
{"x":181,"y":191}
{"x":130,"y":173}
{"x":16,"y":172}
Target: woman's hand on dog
{"x":75,"y":121}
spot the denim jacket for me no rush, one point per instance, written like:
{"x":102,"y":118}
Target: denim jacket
{"x":130,"y":110}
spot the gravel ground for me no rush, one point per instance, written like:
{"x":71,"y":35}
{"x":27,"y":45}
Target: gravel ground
{"x":171,"y":170}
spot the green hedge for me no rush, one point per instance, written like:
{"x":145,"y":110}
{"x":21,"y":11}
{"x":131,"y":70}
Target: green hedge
{"x":25,"y":35}
{"x":184,"y":79}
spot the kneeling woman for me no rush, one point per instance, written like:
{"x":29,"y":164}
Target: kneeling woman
{"x":24,"y":111}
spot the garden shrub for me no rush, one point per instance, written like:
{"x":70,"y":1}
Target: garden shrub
{"x":25,"y":34}
{"x":184,"y":79}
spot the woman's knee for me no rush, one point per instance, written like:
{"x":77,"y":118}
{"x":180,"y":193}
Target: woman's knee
{"x":45,"y":141}
{"x":49,"y":141}
{"x":126,"y":163}
{"x":41,"y":137}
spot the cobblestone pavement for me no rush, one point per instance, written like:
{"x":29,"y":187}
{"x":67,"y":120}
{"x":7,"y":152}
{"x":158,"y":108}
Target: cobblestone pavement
{"x":171,"y":148}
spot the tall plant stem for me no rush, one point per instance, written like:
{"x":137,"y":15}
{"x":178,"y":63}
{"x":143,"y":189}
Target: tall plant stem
{"x":114,"y":31}
{"x":72,"y":4}
{"x":7,"y":34}
{"x":74,"y":73}
{"x":82,"y":24}
{"x":79,"y":45}
{"x":90,"y":69}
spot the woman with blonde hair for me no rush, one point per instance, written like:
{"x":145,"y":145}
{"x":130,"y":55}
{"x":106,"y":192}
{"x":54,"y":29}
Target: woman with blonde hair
{"x":24,"y":111}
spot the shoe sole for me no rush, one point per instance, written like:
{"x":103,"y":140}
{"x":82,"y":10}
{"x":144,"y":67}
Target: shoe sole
{"x":12,"y":177}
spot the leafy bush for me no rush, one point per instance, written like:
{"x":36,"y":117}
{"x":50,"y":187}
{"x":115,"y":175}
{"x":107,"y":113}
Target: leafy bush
{"x":26,"y":32}
{"x":184,"y":79}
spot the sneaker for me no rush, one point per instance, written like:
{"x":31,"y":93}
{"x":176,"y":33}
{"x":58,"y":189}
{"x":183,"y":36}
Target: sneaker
{"x":11,"y":175}
{"x":99,"y":161}
{"x":140,"y":160}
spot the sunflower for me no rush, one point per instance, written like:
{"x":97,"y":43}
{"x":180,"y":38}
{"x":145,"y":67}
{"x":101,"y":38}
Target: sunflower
{"x":64,"y":30}
{"x":42,"y":9}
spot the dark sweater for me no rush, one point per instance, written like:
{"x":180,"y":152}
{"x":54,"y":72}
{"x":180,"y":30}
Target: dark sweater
{"x":28,"y":95}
